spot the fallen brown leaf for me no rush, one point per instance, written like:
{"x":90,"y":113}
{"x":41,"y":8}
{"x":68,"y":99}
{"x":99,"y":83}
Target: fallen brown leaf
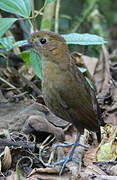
{"x":7,"y":159}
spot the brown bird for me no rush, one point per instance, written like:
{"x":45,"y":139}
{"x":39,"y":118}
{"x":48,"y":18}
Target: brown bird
{"x":65,"y":90}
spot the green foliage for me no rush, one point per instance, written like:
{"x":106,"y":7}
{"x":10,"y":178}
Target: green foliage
{"x":25,"y":55}
{"x":48,"y":1}
{"x":19,"y":43}
{"x":36,"y":63}
{"x":64,"y":23}
{"x":31,"y":57}
{"x":109,"y":10}
{"x":46,"y":24}
{"x":18,"y":7}
{"x":89,"y":6}
{"x":7,"y":43}
{"x":5,"y":24}
{"x":18,"y":173}
{"x":83,"y":39}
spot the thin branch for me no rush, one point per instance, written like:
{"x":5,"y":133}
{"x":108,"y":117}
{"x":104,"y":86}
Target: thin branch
{"x":57,"y":16}
{"x":33,"y":15}
{"x":9,"y":84}
{"x":30,"y":18}
{"x":43,"y":145}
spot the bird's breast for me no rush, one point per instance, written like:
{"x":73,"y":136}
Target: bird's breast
{"x":52,"y":78}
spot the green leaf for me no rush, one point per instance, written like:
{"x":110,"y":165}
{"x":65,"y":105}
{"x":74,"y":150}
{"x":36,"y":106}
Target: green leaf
{"x":48,"y":1}
{"x":18,"y":43}
{"x":107,"y":152}
{"x":28,"y":6}
{"x":5,"y":24}
{"x":18,"y":7}
{"x":82,"y":69}
{"x":18,"y":173}
{"x":25,"y":55}
{"x":83,"y":39}
{"x":36,"y":63}
{"x":7,"y":43}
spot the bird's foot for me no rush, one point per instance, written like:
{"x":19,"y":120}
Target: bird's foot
{"x":64,"y":161}
{"x":69,"y":157}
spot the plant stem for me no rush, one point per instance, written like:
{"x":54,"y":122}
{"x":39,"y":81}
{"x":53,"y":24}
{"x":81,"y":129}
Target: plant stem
{"x":57,"y":16}
{"x":33,"y":15}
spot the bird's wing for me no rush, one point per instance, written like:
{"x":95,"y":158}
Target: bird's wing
{"x":78,"y":100}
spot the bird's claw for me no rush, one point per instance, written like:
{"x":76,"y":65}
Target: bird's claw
{"x":64,"y":161}
{"x":69,"y":157}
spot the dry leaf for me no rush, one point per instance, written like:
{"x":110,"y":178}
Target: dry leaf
{"x":86,"y":62}
{"x":44,"y":170}
{"x":90,"y":63}
{"x":108,"y":147}
{"x":102,"y":74}
{"x":7,"y":159}
{"x":90,"y":156}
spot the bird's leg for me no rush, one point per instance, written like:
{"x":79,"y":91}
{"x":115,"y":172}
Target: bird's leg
{"x":69,"y":157}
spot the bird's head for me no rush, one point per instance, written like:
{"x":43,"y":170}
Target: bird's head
{"x":48,"y":44}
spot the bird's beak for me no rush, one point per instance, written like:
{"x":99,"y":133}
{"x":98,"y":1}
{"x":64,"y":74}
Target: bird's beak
{"x":26,"y":45}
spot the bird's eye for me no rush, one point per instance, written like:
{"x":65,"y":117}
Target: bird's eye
{"x":43,"y":40}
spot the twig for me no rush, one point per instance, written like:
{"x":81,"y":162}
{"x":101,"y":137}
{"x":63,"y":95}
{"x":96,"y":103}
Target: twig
{"x":20,"y":95}
{"x":21,"y":144}
{"x":107,"y":74}
{"x":33,"y":15}
{"x":57,"y":16}
{"x":103,"y":177}
{"x":42,"y":148}
{"x":9,"y":84}
{"x":30,"y":18}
